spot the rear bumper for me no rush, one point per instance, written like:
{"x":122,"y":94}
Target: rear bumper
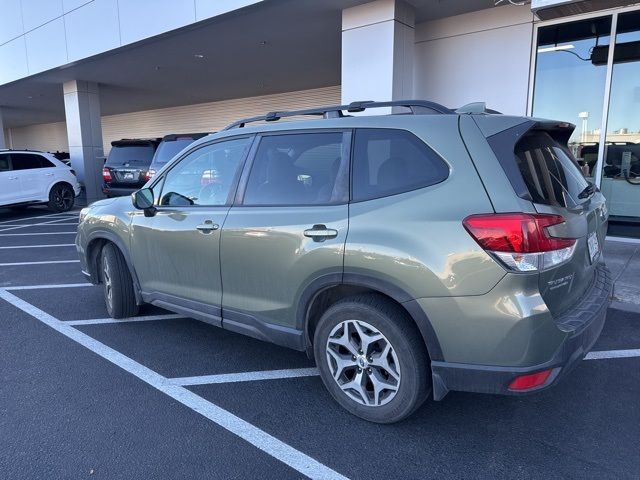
{"x":110,"y":191}
{"x":583,"y":324}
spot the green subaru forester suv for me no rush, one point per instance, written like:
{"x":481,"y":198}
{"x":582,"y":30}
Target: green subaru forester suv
{"x":410,"y":253}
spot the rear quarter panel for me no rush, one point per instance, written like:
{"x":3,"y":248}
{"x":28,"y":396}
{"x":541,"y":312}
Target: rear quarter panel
{"x":416,"y":240}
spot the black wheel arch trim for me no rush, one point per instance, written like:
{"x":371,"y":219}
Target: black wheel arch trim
{"x":325,"y":282}
{"x":91,"y":257}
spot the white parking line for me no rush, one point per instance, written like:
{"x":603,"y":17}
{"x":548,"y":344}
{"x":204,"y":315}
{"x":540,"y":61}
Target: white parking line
{"x":243,"y":429}
{"x":27,"y":225}
{"x":41,"y":216}
{"x":612,"y":354}
{"x":31,"y":234}
{"x":245,"y":376}
{"x":39,"y":246}
{"x":142,"y":318}
{"x":44,"y":287}
{"x":49,"y":262}
{"x":48,"y":223}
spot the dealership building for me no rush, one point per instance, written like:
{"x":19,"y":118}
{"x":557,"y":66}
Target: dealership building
{"x":76,"y":75}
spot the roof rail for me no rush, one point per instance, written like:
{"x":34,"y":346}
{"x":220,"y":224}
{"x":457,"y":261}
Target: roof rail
{"x":417,"y":107}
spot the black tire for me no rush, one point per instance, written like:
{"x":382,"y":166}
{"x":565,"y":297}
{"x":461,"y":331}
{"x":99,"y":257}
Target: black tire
{"x":399,"y":330}
{"x":119,"y":295}
{"x":61,"y":197}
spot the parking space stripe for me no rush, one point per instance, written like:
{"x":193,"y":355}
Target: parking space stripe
{"x":234,"y":424}
{"x":27,"y":225}
{"x":49,"y":262}
{"x":41,"y":224}
{"x":32,"y":234}
{"x":38,"y":246}
{"x":44,"y":287}
{"x":41,"y":216}
{"x":613,"y":354}
{"x":142,"y":318}
{"x":245,"y":376}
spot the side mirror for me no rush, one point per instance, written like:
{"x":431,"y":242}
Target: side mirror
{"x":143,"y":200}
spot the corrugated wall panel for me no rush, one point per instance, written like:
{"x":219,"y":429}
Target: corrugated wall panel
{"x":45,"y":136}
{"x":209,"y":117}
{"x":202,"y":117}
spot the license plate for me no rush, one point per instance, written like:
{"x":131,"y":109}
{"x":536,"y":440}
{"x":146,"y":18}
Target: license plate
{"x":128,"y":176}
{"x":594,"y":246}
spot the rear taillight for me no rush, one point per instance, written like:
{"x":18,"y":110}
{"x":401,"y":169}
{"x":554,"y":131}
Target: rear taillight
{"x":73,"y":172}
{"x":149,"y":174}
{"x":521,"y":241}
{"x":106,"y":174}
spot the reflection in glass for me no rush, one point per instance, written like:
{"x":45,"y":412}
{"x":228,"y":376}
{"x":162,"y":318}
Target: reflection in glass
{"x":621,"y":167}
{"x":570,"y":76}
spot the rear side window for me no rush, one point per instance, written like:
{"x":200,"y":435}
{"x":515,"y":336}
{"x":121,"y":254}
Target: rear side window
{"x":134,"y":155}
{"x":299,"y":169}
{"x":551,"y":176}
{"x":387,"y":162}
{"x":27,"y":161}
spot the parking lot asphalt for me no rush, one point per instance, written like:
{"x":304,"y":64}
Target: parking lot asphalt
{"x":162,"y":396}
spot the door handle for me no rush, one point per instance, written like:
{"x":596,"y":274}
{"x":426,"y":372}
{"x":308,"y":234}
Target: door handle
{"x":48,"y":174}
{"x":13,"y":178}
{"x":319,"y":233}
{"x":207,"y":227}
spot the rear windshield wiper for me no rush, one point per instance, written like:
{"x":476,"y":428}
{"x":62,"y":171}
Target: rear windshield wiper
{"x":589,"y":190}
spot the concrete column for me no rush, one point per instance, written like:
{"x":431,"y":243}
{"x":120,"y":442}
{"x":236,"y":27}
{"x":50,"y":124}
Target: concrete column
{"x":84,"y":130}
{"x":3,"y":143}
{"x":378,"y":51}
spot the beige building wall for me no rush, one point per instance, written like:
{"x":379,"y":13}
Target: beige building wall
{"x":203,"y":117}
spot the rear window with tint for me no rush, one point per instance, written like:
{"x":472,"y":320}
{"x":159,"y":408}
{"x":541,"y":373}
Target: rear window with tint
{"x":169,"y":149}
{"x":548,"y":170}
{"x":130,"y":154}
{"x":387,"y":162}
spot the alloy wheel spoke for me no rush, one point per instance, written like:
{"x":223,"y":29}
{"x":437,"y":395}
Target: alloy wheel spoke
{"x":342,"y":363}
{"x":358,"y":385}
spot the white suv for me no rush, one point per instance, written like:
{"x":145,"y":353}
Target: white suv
{"x":29,"y":178}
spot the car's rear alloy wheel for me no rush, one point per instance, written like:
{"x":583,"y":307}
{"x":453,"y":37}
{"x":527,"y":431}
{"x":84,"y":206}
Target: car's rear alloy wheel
{"x":372,"y":358}
{"x":363,"y":363}
{"x":117,"y":284}
{"x":61,"y":198}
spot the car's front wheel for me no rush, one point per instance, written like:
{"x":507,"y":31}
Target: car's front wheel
{"x":372,"y":358}
{"x":117,"y":284}
{"x":61,"y":197}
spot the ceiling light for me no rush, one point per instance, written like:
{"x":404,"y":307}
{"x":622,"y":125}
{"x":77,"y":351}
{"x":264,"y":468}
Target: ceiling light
{"x":555,"y":48}
{"x":199,"y":55}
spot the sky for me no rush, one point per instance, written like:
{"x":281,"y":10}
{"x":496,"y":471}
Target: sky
{"x":566,"y":85}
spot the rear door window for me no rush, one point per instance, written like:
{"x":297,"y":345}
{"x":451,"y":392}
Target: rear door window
{"x":387,"y":162}
{"x":550,"y":174}
{"x":5,"y":165}
{"x":299,"y":169}
{"x":28,"y":161}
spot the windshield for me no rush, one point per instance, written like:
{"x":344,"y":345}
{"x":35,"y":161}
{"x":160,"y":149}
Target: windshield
{"x":131,"y":154}
{"x":169,"y":149}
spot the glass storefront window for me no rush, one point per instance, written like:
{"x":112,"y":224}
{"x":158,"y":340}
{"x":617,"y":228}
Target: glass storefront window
{"x":570,"y":77}
{"x":621,"y":167}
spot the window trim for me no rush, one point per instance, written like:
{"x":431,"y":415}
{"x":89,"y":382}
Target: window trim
{"x":347,"y":142}
{"x":353,"y":146}
{"x":160,"y":179}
